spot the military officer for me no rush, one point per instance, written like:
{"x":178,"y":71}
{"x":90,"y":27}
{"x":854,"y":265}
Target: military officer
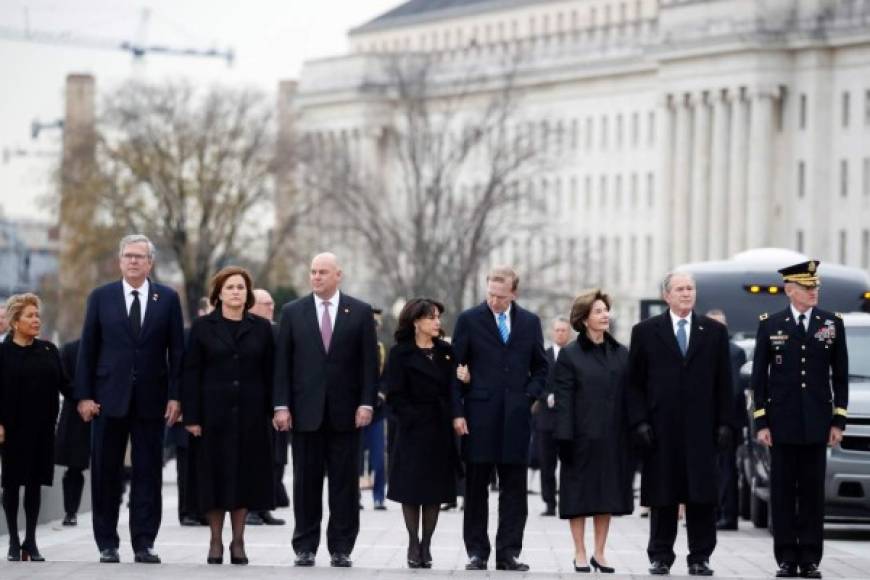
{"x":801,"y":390}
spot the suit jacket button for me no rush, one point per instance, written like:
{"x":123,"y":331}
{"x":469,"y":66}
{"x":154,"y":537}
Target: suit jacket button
{"x":803,"y":385}
{"x":236,"y":383}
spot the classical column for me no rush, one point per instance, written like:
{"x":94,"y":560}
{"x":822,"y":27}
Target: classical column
{"x":737,"y":172}
{"x":700,"y":192}
{"x":681,"y":180}
{"x":758,"y":215}
{"x":718,"y":210}
{"x":664,"y":187}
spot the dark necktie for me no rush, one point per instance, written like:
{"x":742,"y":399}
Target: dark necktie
{"x":802,"y":330}
{"x":136,"y":314}
{"x":682,"y":337}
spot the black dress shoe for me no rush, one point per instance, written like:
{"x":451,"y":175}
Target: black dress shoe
{"x":70,"y":520}
{"x":550,"y":511}
{"x":600,"y":567}
{"x":659,"y":569}
{"x":188,"y":521}
{"x":448,"y":506}
{"x":254,"y":519}
{"x":475,"y":563}
{"x":237,"y":554}
{"x":339,"y":560}
{"x":147,"y":556}
{"x":271,"y":520}
{"x":511,"y":564}
{"x":379,"y":505}
{"x":109,"y":556}
{"x":726,"y":525}
{"x":700,"y":569}
{"x":807,"y":570}
{"x":787,"y":570}
{"x":305,"y":559}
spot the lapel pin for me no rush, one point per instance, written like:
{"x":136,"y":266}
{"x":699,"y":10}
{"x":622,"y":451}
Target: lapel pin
{"x":447,"y":356}
{"x":700,"y":328}
{"x":154,"y":297}
{"x":347,"y":310}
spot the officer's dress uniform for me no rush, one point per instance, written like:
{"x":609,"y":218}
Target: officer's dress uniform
{"x":800,"y":382}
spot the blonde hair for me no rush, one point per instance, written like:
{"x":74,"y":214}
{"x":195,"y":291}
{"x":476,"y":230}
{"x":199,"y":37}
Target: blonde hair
{"x":16,"y":304}
{"x":504,"y":274}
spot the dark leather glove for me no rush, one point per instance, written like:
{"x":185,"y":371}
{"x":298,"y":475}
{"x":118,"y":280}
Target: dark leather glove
{"x":643,"y":435}
{"x":723,"y":438}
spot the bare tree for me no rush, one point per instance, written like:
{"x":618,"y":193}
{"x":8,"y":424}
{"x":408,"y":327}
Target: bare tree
{"x":194,"y":170}
{"x":448,"y":184}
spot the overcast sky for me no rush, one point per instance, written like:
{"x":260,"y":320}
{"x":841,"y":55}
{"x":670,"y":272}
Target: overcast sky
{"x":271,"y":39}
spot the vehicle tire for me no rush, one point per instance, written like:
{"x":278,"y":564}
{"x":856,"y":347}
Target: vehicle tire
{"x":744,"y":497}
{"x":757,"y":509}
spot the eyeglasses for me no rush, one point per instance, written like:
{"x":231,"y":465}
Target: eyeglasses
{"x":135,"y":257}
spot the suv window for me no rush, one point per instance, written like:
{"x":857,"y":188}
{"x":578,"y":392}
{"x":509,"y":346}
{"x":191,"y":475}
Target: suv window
{"x":858,"y":341}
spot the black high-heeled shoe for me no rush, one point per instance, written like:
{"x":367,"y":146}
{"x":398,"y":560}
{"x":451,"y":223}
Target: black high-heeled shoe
{"x":14,"y":554}
{"x":215,"y":559}
{"x":425,"y":556}
{"x":29,"y":552}
{"x":238,"y":560}
{"x":600,"y":567}
{"x":415,"y":559}
{"x":581,"y":568}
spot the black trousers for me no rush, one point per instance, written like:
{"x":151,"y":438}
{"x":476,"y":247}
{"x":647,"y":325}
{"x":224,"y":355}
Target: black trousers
{"x":333,"y":454}
{"x":797,"y":501}
{"x":700,"y":528}
{"x":281,"y":498}
{"x":547,"y":458}
{"x":513,"y":509}
{"x":108,"y":446}
{"x":728,"y":485}
{"x":73,"y":483}
{"x":185,"y":497}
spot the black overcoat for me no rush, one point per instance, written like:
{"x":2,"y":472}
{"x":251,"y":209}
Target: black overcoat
{"x":73,"y":442}
{"x":311,"y":382}
{"x":505,"y":380}
{"x":31,"y":380}
{"x":226,"y":389}
{"x":591,"y":416}
{"x":423,"y":461}
{"x":543,"y":416}
{"x":685,"y":400}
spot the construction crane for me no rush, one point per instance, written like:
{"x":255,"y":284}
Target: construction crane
{"x":137,"y":49}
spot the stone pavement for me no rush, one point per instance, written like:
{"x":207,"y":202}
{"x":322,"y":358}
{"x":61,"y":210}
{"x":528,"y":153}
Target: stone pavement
{"x":380,"y":550}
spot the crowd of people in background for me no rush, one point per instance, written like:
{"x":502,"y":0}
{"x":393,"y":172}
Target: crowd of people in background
{"x":459,"y":415}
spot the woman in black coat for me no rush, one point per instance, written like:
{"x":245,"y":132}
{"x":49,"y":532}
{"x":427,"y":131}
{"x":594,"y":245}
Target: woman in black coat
{"x":226,"y":403}
{"x":31,"y":379}
{"x":589,"y":384}
{"x":423,"y":461}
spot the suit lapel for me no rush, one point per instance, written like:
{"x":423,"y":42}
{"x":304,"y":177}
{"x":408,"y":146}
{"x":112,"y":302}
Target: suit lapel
{"x":666,"y":333}
{"x":150,"y":307}
{"x":696,"y":337}
{"x":814,"y":323}
{"x":309,"y":313}
{"x":342,"y":312}
{"x":121,"y":303}
{"x":488,"y":320}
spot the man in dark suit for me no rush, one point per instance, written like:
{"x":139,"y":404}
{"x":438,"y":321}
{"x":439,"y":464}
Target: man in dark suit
{"x":800,"y":382}
{"x":326,"y":375}
{"x":680,"y":407}
{"x":73,"y":443}
{"x":727,"y":508}
{"x":126,"y":381}
{"x":502,"y":346}
{"x":544,"y":417}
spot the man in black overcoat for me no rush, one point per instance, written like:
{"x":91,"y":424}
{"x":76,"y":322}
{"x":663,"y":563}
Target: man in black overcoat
{"x":681,"y":411}
{"x":502,"y":346}
{"x":72,"y":446}
{"x":127,"y":374}
{"x":800,"y":382}
{"x":544,"y":418}
{"x":326,"y":377}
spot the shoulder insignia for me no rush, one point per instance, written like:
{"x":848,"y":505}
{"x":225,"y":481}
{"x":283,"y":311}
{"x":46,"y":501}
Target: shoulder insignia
{"x":763,"y":316}
{"x":839,"y":315}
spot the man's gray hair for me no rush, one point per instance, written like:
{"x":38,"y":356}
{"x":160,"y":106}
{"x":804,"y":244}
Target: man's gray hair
{"x":557,"y":319}
{"x":666,"y":281}
{"x":136,"y":239}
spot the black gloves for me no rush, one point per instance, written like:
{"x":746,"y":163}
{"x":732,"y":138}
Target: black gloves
{"x":643,"y":436}
{"x":723,"y":438}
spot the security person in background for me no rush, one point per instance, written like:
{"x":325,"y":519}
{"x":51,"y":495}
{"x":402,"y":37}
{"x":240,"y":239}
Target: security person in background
{"x":801,"y":390}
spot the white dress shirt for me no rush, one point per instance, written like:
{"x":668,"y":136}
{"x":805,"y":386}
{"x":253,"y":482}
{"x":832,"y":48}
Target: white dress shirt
{"x":333,"y":308}
{"x":507,"y":316}
{"x":796,"y":313}
{"x":143,"y":297}
{"x":676,"y":319}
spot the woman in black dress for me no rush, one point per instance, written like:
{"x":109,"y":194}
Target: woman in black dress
{"x":423,"y":462}
{"x":588,"y":382}
{"x":226,"y":402}
{"x":31,"y":378}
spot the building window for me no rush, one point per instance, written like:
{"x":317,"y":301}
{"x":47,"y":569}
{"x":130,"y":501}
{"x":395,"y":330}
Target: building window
{"x":845,"y":110}
{"x":604,"y":132}
{"x":573,"y":193}
{"x":867,"y":108}
{"x":799,"y":241}
{"x":575,"y":134}
{"x":602,"y":192}
{"x":802,"y":112}
{"x":593,"y":17}
{"x":842,"y":252}
{"x":844,"y":178}
{"x":649,"y":258}
{"x":865,"y":186}
{"x":587,"y":192}
{"x":618,"y":192}
{"x":651,"y":129}
{"x":635,"y":128}
{"x":634,"y":192}
{"x":865,"y":249}
{"x":589,"y":135}
{"x":616,"y":266}
{"x":632,"y":259}
{"x":650,"y":190}
{"x":602,"y":259}
{"x":619,"y":131}
{"x":801,"y":179}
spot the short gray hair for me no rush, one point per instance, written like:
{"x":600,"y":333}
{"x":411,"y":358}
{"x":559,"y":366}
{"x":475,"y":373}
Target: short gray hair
{"x":557,"y":319}
{"x":666,"y":281}
{"x":136,"y":239}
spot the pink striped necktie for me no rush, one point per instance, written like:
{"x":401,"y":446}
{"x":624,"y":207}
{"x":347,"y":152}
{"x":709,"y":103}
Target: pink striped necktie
{"x":326,"y":327}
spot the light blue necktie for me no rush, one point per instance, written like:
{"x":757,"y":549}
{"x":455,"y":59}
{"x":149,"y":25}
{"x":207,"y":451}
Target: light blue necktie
{"x":682,"y":339}
{"x":503,"y":328}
